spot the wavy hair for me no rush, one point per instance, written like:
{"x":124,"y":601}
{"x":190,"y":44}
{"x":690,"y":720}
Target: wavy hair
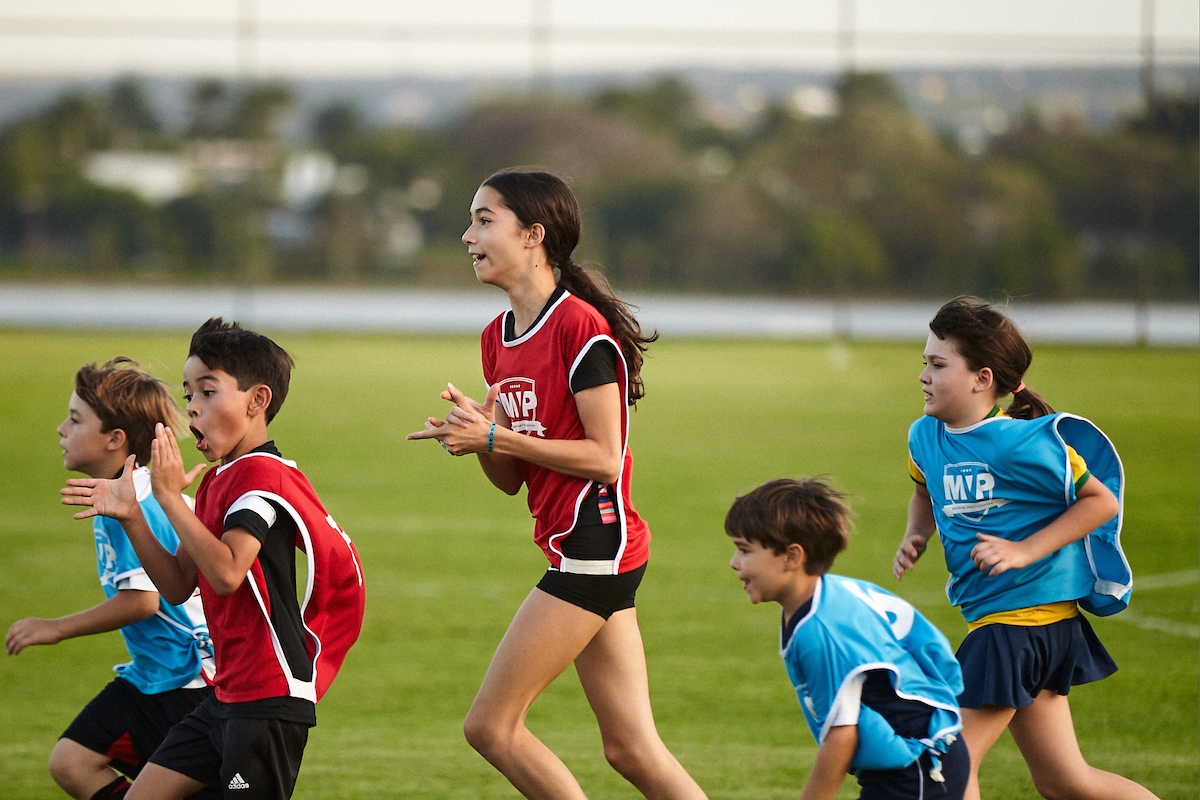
{"x":539,"y":197}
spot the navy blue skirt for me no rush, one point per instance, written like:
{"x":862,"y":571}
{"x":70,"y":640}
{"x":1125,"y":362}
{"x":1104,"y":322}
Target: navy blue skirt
{"x":1007,"y":665}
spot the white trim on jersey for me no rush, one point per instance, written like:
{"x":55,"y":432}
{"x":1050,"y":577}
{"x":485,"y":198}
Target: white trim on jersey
{"x":255,"y":454}
{"x":194,"y":608}
{"x":583,"y":351}
{"x":848,"y":702}
{"x":578,"y":566}
{"x":551,"y":541}
{"x":536,"y":326}
{"x":133,"y":580}
{"x":141,"y":483}
{"x":305,"y":690}
{"x":253,"y":501}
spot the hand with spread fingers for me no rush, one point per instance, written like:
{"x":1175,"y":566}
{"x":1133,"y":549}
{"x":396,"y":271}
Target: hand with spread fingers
{"x":115,"y":498}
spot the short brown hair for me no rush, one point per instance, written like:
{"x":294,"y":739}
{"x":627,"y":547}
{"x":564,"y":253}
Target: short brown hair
{"x":785,"y":511}
{"x":249,"y":357}
{"x":125,"y":397}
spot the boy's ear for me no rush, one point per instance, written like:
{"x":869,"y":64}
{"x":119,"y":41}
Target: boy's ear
{"x":117,"y":440}
{"x":794,"y":558}
{"x":260,"y":398}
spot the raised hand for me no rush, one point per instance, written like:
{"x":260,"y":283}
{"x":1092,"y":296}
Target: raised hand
{"x":115,"y":498}
{"x":167,"y":475}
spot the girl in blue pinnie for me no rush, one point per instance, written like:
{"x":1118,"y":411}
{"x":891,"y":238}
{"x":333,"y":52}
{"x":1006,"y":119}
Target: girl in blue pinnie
{"x":1027,"y":505}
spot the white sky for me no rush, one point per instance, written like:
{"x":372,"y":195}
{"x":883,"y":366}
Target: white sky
{"x":502,"y":38}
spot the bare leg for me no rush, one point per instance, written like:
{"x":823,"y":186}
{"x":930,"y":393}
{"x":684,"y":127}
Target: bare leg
{"x":156,"y":782}
{"x":612,"y":669}
{"x":543,"y":639}
{"x":80,"y":771}
{"x":1046,"y":736}
{"x":981,"y":728}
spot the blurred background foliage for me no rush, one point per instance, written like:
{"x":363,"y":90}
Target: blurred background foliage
{"x":869,"y":199}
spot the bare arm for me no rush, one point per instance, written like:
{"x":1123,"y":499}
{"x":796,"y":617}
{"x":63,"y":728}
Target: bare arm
{"x":124,"y":608}
{"x":832,"y":764}
{"x":1094,"y":505}
{"x":921,"y":526}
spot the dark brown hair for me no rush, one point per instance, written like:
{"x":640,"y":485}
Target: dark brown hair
{"x":785,"y":511}
{"x":125,"y":397}
{"x":986,"y":337}
{"x":249,"y":357}
{"x":539,"y":197}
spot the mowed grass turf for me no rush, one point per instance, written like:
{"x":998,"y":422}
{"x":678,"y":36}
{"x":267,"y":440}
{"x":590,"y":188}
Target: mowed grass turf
{"x":448,"y":558}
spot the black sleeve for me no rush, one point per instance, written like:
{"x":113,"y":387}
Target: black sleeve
{"x":245,"y":518}
{"x":597,"y":367}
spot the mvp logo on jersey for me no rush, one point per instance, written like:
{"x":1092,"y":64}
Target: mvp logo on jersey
{"x":968,"y":487}
{"x":518,"y":396}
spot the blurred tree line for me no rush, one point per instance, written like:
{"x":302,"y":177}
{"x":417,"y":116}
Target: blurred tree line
{"x":869,"y":200}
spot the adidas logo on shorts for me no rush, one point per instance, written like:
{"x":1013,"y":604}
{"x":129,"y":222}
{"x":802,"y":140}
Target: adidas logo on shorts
{"x":238,"y":782}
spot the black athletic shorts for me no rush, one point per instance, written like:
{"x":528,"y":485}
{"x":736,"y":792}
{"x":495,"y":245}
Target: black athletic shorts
{"x":601,"y":594}
{"x":243,"y":758}
{"x":128,"y":726}
{"x":919,"y":780}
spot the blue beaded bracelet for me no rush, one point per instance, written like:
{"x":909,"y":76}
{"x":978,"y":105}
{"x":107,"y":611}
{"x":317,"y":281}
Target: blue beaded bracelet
{"x":491,"y":436}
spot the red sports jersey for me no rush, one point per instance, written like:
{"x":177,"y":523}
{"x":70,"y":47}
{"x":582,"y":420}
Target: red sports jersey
{"x":251,"y":647}
{"x":534,"y":372}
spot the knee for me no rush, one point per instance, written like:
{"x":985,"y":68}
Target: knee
{"x":633,"y":760}
{"x":61,"y":768}
{"x":1055,"y":787}
{"x":484,"y":734}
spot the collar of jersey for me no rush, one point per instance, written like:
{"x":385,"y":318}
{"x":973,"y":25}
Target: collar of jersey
{"x":537,"y":325}
{"x":994,"y":414}
{"x":267,"y":449}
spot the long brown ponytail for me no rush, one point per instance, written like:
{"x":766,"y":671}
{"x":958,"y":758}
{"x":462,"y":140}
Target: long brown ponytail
{"x":986,"y":337}
{"x":544,"y":198}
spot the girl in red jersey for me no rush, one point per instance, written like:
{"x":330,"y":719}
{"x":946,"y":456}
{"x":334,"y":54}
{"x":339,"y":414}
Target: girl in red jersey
{"x":563,"y":368}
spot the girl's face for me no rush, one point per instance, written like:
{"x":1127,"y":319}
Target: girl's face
{"x":498,"y":244}
{"x":954,"y":393}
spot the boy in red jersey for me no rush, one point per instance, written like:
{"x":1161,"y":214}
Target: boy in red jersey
{"x":275,"y":657}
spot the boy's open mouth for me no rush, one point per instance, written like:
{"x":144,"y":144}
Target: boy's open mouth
{"x":199,"y":437}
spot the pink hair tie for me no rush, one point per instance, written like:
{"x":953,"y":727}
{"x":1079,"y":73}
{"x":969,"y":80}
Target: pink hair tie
{"x":1020,"y":388}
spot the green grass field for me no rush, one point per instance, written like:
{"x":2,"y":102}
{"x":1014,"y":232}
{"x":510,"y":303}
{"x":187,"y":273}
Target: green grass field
{"x":448,"y":558}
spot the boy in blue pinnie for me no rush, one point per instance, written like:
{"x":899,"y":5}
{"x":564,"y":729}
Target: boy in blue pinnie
{"x":876,"y":681}
{"x":110,"y":417}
